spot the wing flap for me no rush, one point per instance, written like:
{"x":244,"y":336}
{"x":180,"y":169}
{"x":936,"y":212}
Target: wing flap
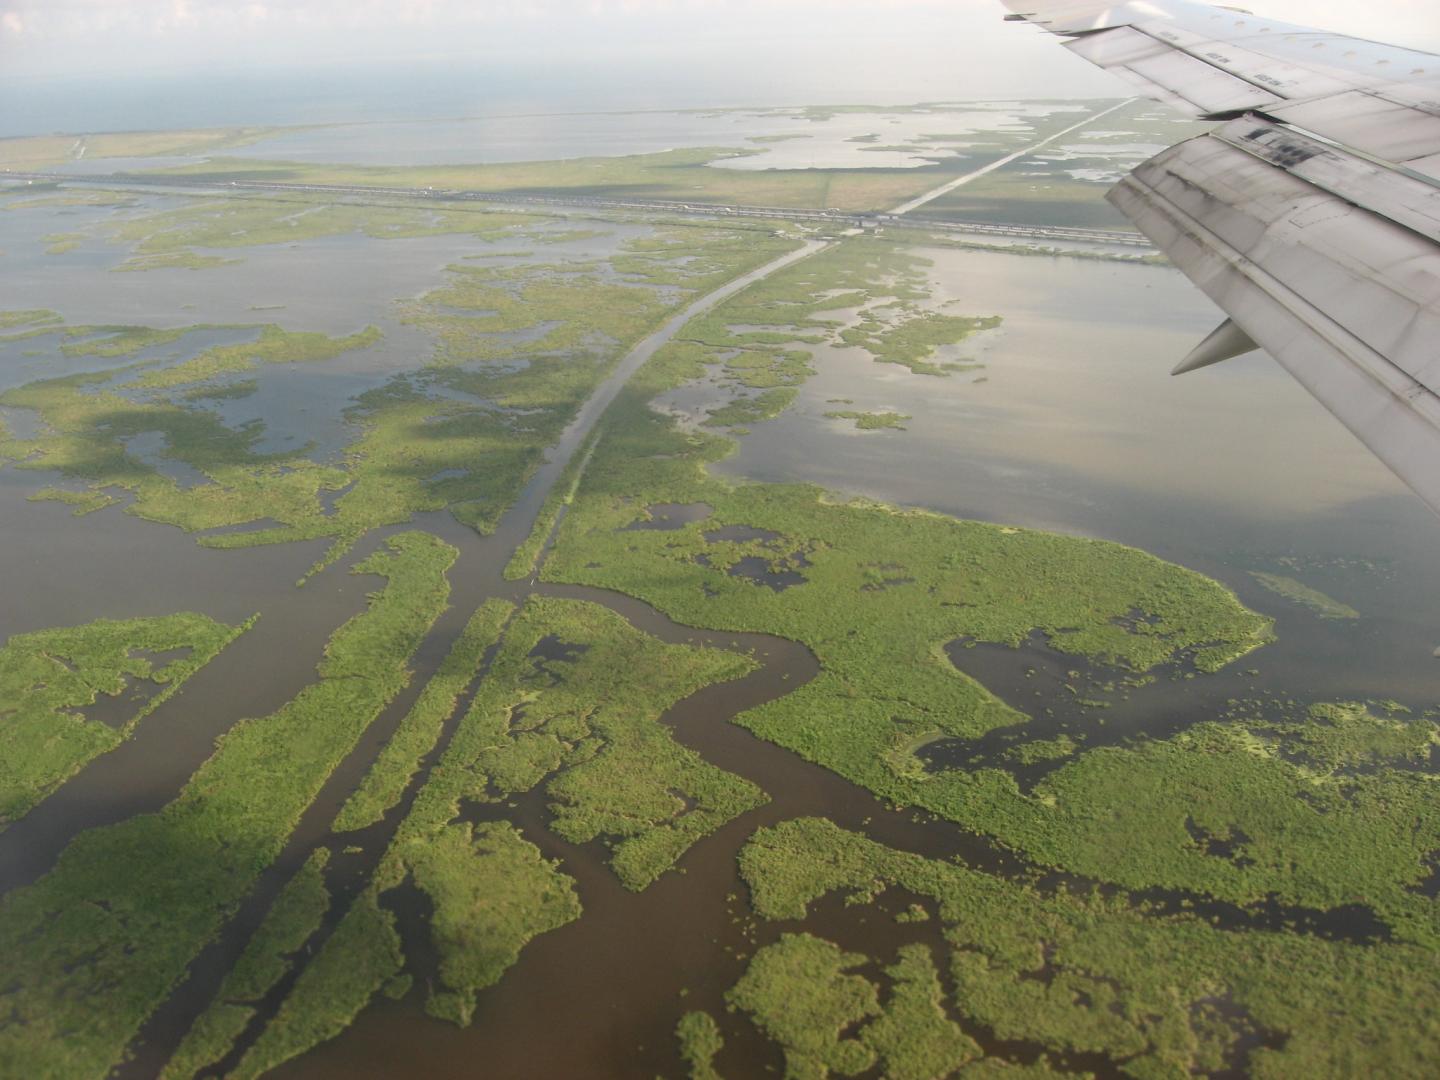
{"x":1377,"y":123}
{"x":1312,"y":218}
{"x":1404,"y":199}
{"x":1346,"y":301}
{"x":1167,"y":72}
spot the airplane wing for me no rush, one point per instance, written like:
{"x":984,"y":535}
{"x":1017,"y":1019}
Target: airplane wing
{"x":1310,"y":214}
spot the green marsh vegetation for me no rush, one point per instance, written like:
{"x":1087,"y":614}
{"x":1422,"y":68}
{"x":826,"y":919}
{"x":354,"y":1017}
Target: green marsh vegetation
{"x":273,"y":346}
{"x":871,"y":421}
{"x":88,"y":419}
{"x":69,"y":197}
{"x":1323,"y":813}
{"x":99,"y":942}
{"x":418,"y":732}
{"x":799,"y":992}
{"x":357,"y":961}
{"x":1328,"y":809}
{"x":173,"y":260}
{"x":63,"y":243}
{"x":524,"y":561}
{"x":914,"y":337}
{"x":240,"y":221}
{"x":1297,"y":591}
{"x":700,"y":1040}
{"x":48,"y":677}
{"x":492,"y":892}
{"x":121,"y":341}
{"x":29,"y":319}
{"x":572,"y":701}
{"x":803,"y":992}
{"x":684,"y":174}
{"x":1069,"y":971}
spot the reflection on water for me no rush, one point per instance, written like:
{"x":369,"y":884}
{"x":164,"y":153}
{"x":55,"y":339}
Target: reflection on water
{"x":1075,"y":391}
{"x":1075,"y":425}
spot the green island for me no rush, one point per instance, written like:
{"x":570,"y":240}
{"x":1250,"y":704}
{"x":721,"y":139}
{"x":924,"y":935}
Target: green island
{"x":63,"y":243}
{"x":700,"y":1040}
{"x":98,"y":942}
{"x":173,"y":260}
{"x":48,"y":677}
{"x":1326,"y":607}
{"x":871,"y":421}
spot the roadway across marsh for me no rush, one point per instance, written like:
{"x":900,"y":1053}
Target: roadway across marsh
{"x":836,"y":219}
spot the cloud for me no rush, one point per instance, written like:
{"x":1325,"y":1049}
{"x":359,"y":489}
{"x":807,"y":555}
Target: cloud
{"x":67,"y":37}
{"x":84,"y":16}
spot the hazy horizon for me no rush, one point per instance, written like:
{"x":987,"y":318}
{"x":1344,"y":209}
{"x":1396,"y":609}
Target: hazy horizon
{"x":98,"y":65}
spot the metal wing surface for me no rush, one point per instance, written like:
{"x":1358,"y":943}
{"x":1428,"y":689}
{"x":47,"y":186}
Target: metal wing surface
{"x":1311,"y":214}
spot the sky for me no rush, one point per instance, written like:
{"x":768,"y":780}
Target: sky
{"x":89,"y":64}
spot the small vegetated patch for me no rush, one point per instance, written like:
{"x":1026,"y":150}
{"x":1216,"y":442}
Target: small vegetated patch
{"x":871,"y":421}
{"x":1325,"y":606}
{"x":173,"y":260}
{"x":901,"y":334}
{"x":28,"y":319}
{"x":700,"y":1040}
{"x":754,"y":342}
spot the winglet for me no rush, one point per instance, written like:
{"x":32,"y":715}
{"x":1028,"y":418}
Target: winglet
{"x":1225,"y":341}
